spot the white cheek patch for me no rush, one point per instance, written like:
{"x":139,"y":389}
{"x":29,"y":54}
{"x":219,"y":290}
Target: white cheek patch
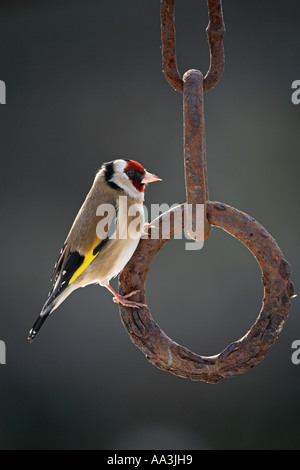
{"x":128,"y":188}
{"x":121,"y":179}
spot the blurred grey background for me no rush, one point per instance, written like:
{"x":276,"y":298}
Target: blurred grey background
{"x":85,"y":85}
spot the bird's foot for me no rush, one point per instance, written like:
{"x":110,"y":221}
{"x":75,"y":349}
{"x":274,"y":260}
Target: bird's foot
{"x":150,"y":231}
{"x":123,"y":299}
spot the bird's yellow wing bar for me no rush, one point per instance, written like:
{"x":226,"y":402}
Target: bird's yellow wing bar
{"x":76,"y":263}
{"x":86,"y":262}
{"x":88,"y":258}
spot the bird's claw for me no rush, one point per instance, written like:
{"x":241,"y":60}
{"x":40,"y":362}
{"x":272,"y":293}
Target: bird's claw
{"x":148,"y":228}
{"x":122,"y":299}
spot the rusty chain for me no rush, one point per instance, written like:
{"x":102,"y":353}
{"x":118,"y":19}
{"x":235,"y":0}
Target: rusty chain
{"x":215,"y":32}
{"x":158,"y":348}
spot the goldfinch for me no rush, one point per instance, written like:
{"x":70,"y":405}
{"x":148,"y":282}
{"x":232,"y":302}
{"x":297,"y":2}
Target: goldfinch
{"x":103,"y":237}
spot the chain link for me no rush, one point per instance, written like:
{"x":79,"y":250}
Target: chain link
{"x":215,"y":33}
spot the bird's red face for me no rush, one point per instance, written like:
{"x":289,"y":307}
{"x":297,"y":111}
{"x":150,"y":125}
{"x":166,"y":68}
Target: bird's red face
{"x":138,"y":175}
{"x":128,"y":175}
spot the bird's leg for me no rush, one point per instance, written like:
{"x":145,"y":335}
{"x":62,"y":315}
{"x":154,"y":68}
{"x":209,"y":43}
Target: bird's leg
{"x":122,"y":299}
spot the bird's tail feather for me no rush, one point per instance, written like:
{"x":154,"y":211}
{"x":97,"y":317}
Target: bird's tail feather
{"x":51,"y":304}
{"x":39,"y":322}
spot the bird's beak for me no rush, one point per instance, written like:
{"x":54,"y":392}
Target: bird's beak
{"x":149,"y":178}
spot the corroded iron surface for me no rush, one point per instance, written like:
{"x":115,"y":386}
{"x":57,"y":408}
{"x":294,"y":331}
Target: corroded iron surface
{"x":239,"y":356}
{"x":215,"y":33}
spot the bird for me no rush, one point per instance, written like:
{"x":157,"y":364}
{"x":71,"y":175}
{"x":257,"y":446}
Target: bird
{"x":103,"y":237}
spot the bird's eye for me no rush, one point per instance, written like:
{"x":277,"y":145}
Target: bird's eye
{"x":129,"y":173}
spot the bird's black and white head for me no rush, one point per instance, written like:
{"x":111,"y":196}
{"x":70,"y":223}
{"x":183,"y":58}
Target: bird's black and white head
{"x":128,"y":175}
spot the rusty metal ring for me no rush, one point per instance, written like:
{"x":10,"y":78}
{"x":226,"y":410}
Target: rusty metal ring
{"x":240,"y":355}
